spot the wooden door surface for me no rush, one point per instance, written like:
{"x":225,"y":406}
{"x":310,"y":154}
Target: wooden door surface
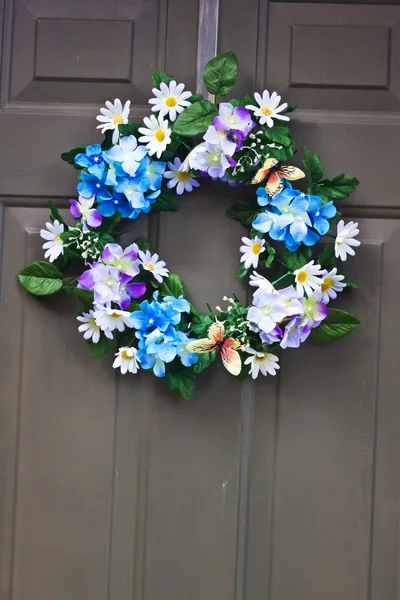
{"x":283,"y":489}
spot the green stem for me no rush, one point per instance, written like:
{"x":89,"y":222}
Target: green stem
{"x":282,"y":277}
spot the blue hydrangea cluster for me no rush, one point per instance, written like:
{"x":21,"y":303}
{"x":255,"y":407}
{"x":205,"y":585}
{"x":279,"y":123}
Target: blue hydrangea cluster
{"x":159,"y":340}
{"x":293,"y":217}
{"x":124,"y":179}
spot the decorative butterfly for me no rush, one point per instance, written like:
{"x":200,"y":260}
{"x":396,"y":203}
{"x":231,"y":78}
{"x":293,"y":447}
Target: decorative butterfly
{"x":274,"y":171}
{"x":227,"y":346}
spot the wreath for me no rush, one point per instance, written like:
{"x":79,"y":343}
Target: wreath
{"x":129,"y":295}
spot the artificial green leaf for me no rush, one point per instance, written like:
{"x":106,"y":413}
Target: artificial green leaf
{"x":220,"y":73}
{"x":69,"y":156}
{"x":350,"y":284}
{"x":327,"y":257}
{"x":55,"y":214}
{"x":101,"y":348}
{"x":144,"y":243}
{"x":241,"y":271}
{"x":166,"y":202}
{"x":337,"y":324}
{"x":195,"y":98}
{"x":339,"y":188}
{"x":195,"y":119}
{"x":181,"y":379}
{"x":200,"y":324}
{"x":290,"y":109}
{"x":128,"y":129}
{"x":161,"y":77}
{"x":242,"y":101}
{"x":243,"y":212}
{"x":85,"y":296}
{"x":270,"y":255}
{"x":41,"y":278}
{"x":205,"y":360}
{"x":172,"y":286}
{"x":313,"y":166}
{"x":279,"y":134}
{"x":295,"y":260}
{"x":107,"y":142}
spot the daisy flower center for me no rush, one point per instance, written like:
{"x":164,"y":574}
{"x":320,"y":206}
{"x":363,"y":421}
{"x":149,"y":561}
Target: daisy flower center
{"x":117,"y":120}
{"x":58,"y":238}
{"x":183,"y":175}
{"x":148,"y":266}
{"x":339,"y":242}
{"x":326,"y":285}
{"x":261,"y":359}
{"x":302,"y":277}
{"x":114,"y":315}
{"x":124,"y":354}
{"x":171,"y":102}
{"x":159,"y":135}
{"x":266,"y":111}
{"x":256,"y":248}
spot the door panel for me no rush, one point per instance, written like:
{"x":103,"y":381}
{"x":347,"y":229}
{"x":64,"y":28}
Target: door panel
{"x":287,"y":488}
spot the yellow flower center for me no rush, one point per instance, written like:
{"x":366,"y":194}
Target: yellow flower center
{"x":183,"y":175}
{"x":125,"y":355}
{"x":261,"y":358}
{"x":266,"y":111}
{"x":171,"y":102}
{"x":256,"y":248}
{"x":159,"y":135}
{"x":326,"y":285}
{"x":58,"y":238}
{"x":339,"y":242}
{"x":148,"y":266}
{"x":302,"y":277}
{"x":117,"y":120}
{"x":115,"y":315}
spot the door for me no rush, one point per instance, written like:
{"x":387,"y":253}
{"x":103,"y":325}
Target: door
{"x":286,"y":488}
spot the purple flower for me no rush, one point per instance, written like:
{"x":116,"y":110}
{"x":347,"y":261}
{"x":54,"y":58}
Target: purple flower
{"x":124,"y":260}
{"x":296,"y":332}
{"x":82,"y":209}
{"x":315,"y":310}
{"x":103,"y":280}
{"x":219,"y":138}
{"x":233,"y":118}
{"x":267,"y":310}
{"x":212,"y":161}
{"x":291,"y":300}
{"x":273,"y":336}
{"x":129,"y":289}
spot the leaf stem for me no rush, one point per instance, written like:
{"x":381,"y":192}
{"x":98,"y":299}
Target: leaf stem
{"x":282,"y":277}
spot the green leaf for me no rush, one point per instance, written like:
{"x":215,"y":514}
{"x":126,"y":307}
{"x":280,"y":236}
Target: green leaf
{"x":181,"y":379}
{"x":144,"y":244}
{"x":172,"y":286}
{"x":313,"y":166}
{"x":242,"y":101}
{"x":107,"y":142}
{"x":69,"y":156}
{"x":295,"y":260}
{"x":161,"y":77}
{"x":41,"y":278}
{"x":339,"y":188}
{"x":243,"y":212}
{"x":101,"y":348}
{"x":327,"y":257}
{"x":337,"y":324}
{"x":166,"y":202}
{"x":290,"y":109}
{"x":220,"y":73}
{"x":279,"y":134}
{"x":128,"y":129}
{"x":85,"y":296}
{"x":200,"y":324}
{"x":55,"y":214}
{"x":271,"y":255}
{"x":195,"y":119}
{"x":195,"y":98}
{"x":241,"y":271}
{"x":205,"y":360}
{"x":350,"y":284}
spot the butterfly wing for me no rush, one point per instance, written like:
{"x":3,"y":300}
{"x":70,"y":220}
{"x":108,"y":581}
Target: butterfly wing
{"x":231,"y":358}
{"x":216,"y":332}
{"x":265,"y":169}
{"x":201,"y":346}
{"x":291,"y":173}
{"x":274,"y":184}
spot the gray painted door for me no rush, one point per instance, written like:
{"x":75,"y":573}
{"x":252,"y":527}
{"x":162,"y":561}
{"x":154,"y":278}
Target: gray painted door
{"x":286,"y":489}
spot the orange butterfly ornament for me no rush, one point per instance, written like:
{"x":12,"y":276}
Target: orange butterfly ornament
{"x":274,"y":172}
{"x":226,"y":346}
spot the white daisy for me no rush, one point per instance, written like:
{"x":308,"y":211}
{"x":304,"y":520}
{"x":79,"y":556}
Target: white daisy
{"x":183,"y":180}
{"x":112,"y":116}
{"x":268,"y":108}
{"x":251,"y":251}
{"x":151,"y":263}
{"x":331,"y":283}
{"x":109,"y":319}
{"x":261,"y":362}
{"x":308,"y":278}
{"x":54,"y":246}
{"x":345,"y":239}
{"x":90,"y":328}
{"x":127,"y":360}
{"x":156,"y":135}
{"x":170,"y":99}
{"x":261,"y":282}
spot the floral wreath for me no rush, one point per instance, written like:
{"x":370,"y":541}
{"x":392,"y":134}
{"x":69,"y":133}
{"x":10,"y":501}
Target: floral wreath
{"x":129,"y":295}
